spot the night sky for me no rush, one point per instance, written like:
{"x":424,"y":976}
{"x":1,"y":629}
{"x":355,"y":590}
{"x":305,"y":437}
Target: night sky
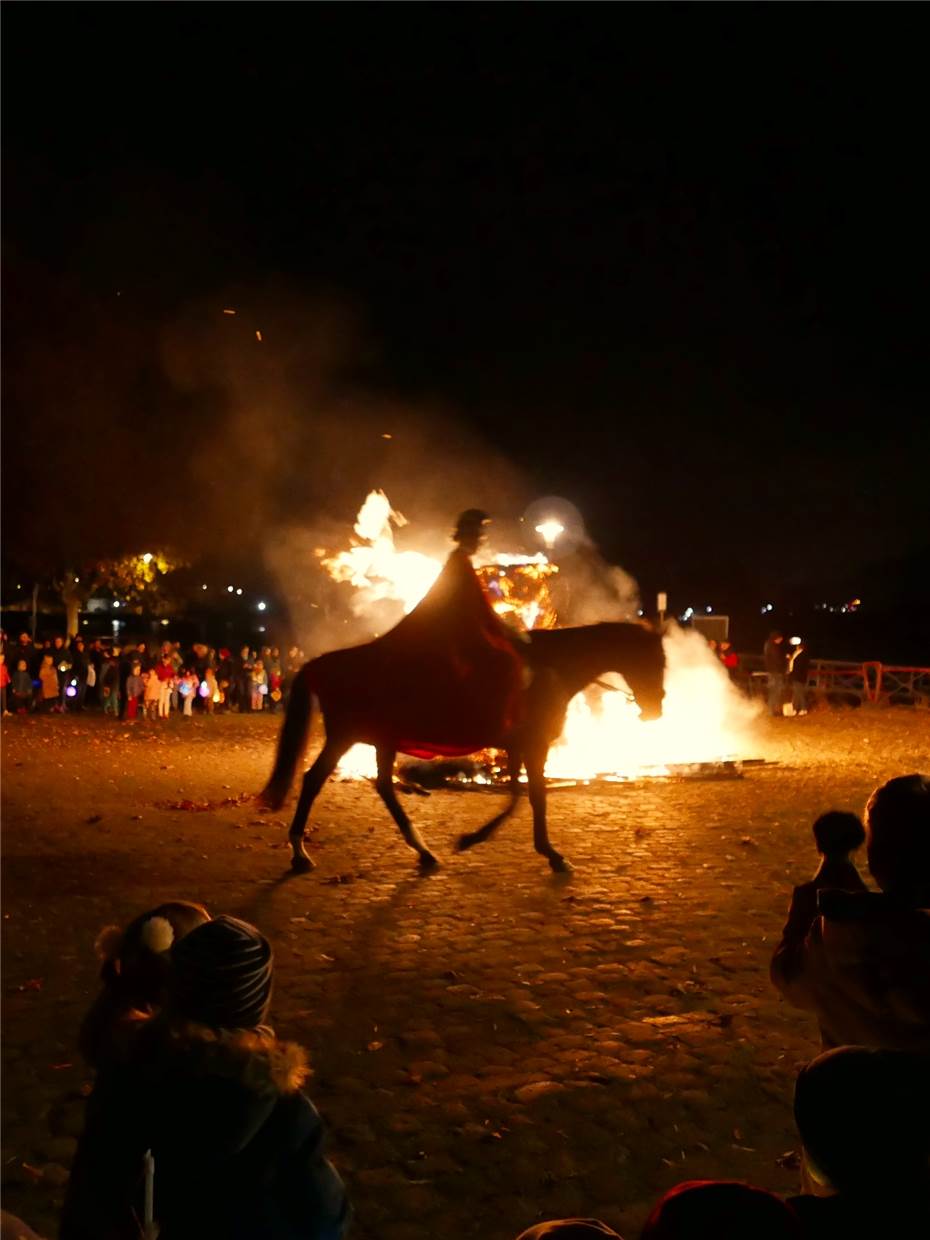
{"x":668,"y":261}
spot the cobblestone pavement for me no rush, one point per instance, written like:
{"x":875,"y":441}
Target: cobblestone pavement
{"x":492,"y":1044}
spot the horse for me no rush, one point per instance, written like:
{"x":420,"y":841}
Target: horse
{"x":562,"y":663}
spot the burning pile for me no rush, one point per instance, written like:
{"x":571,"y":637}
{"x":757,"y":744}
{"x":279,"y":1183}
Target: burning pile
{"x":704,"y":720}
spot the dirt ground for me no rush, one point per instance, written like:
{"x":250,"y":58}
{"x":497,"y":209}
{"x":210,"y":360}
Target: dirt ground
{"x":492,"y":1044}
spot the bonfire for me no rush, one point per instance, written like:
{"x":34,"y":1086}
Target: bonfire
{"x":705,"y":722}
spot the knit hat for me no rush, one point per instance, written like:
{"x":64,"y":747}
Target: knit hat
{"x":570,"y":1229}
{"x":222,"y":975}
{"x":722,"y":1209}
{"x":862,"y":1115}
{"x":136,"y":959}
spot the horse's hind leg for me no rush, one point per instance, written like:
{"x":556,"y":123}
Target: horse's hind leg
{"x":385,"y":786}
{"x":535,"y":772}
{"x":315,"y":778}
{"x":514,"y":766}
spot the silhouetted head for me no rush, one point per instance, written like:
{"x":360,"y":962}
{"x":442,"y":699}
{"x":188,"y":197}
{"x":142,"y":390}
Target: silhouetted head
{"x":137,"y":960}
{"x":862,"y":1116}
{"x":838,"y":832}
{"x":723,"y":1210}
{"x":897,"y":819}
{"x":776,"y":637}
{"x":570,"y":1229}
{"x":221,"y":975}
{"x":470,"y":529}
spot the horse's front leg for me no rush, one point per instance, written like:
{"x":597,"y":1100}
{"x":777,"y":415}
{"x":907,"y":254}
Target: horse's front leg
{"x":315,"y":778}
{"x":514,"y":766}
{"x":536,"y":777}
{"x":385,"y":786}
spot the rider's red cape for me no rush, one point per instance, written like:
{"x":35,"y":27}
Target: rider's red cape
{"x":444,"y":681}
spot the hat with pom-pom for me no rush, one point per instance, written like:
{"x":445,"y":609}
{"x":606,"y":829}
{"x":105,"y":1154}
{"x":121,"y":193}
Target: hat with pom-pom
{"x":139,"y":948}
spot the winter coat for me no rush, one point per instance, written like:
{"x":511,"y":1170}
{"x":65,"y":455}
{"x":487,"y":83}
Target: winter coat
{"x":49,"y":678}
{"x":866,"y":1217}
{"x":135,"y":686}
{"x":776,"y":658}
{"x":801,"y":667}
{"x":152,"y":687}
{"x":237,"y":1147}
{"x":5,"y":677}
{"x":863,"y":967}
{"x":79,"y":665}
{"x":22,"y":683}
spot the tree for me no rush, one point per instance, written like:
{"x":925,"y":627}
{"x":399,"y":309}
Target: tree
{"x":137,"y":580}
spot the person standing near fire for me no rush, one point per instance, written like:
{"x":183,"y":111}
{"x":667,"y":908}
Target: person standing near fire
{"x":776,"y":663}
{"x":799,"y":666}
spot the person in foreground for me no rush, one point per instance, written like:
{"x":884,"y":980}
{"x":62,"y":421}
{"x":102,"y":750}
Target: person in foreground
{"x":860,"y":959}
{"x":237,"y":1148}
{"x":693,"y":1210}
{"x":135,"y":966}
{"x":862,"y":1118}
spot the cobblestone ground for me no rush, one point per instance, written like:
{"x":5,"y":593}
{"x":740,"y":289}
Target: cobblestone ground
{"x":492,"y":1044}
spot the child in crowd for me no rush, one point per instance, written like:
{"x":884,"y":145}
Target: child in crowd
{"x":22,"y":688}
{"x":164,"y":670}
{"x":259,"y":685}
{"x":135,"y":687}
{"x":212,"y":690}
{"x":152,"y":693}
{"x":214,"y":1096}
{"x":860,"y":959}
{"x":862,"y":1118}
{"x":5,"y":679}
{"x":109,"y":683}
{"x":48,"y":678}
{"x":188,"y":684}
{"x":134,"y":968}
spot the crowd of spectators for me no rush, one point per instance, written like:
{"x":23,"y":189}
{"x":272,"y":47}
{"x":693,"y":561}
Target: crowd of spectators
{"x":141,"y":678}
{"x":198,"y":1123}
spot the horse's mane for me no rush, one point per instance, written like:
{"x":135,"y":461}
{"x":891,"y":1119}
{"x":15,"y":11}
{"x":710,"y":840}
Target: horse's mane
{"x":633,"y":636}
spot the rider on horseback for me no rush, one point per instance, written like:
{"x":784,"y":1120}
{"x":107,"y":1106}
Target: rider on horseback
{"x":462,"y":650}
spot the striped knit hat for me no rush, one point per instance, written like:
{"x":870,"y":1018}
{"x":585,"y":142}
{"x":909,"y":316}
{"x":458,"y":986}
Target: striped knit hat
{"x":222,"y":974}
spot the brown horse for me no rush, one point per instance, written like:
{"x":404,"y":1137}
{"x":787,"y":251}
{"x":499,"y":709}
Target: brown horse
{"x":563,"y":662}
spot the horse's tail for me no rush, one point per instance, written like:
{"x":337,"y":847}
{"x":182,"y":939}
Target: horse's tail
{"x":292,"y":742}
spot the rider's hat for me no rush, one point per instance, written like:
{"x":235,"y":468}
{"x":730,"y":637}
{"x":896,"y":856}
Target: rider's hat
{"x":470,"y":522}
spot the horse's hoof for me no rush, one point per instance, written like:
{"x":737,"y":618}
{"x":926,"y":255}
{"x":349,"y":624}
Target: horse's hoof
{"x":560,"y":865}
{"x":302,"y":865}
{"x":463,"y":842}
{"x":428,"y":861}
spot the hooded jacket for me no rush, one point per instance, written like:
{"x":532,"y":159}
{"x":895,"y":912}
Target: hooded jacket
{"x":863,"y":967}
{"x":237,"y":1146}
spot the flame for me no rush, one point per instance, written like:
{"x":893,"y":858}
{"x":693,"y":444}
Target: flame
{"x":375,"y":567}
{"x":704,"y":719}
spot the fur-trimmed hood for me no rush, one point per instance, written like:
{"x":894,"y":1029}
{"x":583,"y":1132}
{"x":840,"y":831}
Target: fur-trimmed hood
{"x":213,"y":1090}
{"x":254,"y":1058}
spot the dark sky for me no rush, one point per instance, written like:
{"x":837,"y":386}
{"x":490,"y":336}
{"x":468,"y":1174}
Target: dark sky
{"x":671,"y":261}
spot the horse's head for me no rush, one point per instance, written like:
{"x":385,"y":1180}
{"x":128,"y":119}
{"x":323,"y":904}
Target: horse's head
{"x":645,"y":674}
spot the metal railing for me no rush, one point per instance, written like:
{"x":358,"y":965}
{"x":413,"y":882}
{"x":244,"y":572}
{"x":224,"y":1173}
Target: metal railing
{"x":870,"y":683}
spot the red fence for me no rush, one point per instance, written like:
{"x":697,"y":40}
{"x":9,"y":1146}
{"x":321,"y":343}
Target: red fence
{"x":871,"y":683}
